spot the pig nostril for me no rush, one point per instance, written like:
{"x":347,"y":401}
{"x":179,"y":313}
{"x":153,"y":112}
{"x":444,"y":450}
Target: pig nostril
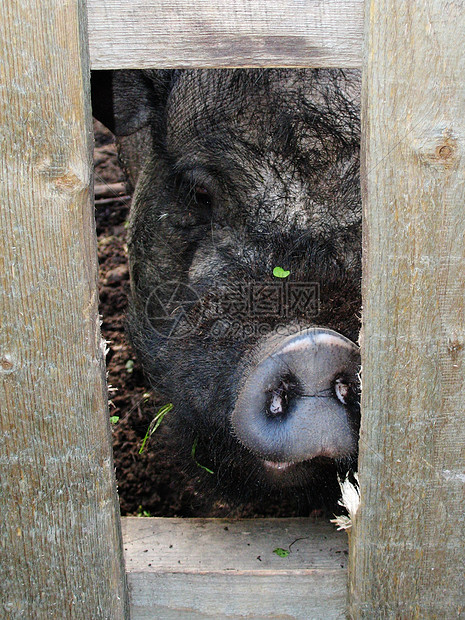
{"x":344,"y":390}
{"x":277,"y":407}
{"x":280,"y":397}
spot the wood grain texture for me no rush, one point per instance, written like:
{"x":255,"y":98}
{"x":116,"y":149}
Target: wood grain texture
{"x":60,"y":530}
{"x":216,"y":33}
{"x":408,"y":555}
{"x":217,"y":568}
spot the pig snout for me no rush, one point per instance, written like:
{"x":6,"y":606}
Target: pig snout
{"x":298,"y":398}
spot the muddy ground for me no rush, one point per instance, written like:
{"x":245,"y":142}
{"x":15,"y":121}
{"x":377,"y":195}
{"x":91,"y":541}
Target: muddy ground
{"x":152,"y":483}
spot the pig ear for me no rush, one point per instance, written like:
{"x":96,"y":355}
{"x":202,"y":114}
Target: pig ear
{"x":127,"y":100}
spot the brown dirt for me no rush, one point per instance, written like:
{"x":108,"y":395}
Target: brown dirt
{"x":152,"y":482}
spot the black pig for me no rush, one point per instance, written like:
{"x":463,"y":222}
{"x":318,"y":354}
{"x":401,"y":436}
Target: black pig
{"x":245,"y":260}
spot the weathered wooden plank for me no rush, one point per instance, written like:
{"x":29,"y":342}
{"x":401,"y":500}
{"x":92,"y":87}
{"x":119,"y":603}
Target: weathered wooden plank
{"x":408,"y":554}
{"x":60,"y":530}
{"x":215,"y":33}
{"x":218,"y":568}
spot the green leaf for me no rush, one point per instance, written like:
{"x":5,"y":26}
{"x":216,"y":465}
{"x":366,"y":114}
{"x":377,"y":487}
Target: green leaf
{"x":114,"y":419}
{"x":194,"y":448}
{"x":155,"y":423}
{"x":129,"y":366}
{"x":142,"y":513}
{"x":283,"y":553}
{"x":279,"y":272}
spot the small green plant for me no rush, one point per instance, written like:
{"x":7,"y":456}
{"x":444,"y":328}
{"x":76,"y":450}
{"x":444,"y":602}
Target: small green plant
{"x":155,"y":423}
{"x":142,"y":513}
{"x":129,"y":366}
{"x":193,"y":451}
{"x":283,"y":553}
{"x":279,"y":272}
{"x":114,"y":419}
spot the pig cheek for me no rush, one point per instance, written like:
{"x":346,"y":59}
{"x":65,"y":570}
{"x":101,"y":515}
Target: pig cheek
{"x":208,"y":380}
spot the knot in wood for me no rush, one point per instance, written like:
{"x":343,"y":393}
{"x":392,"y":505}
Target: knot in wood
{"x":6,"y":363}
{"x":445,"y":151}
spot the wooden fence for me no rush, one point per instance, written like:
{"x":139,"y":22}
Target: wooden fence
{"x":60,"y":530}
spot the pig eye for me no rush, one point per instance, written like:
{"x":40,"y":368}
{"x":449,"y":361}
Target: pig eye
{"x":202,"y":197}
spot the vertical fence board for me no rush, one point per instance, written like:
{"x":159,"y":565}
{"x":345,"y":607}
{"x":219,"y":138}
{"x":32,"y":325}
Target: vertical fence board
{"x":60,"y":529}
{"x":408,"y":555}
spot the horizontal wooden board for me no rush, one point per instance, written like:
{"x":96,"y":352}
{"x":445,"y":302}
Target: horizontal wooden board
{"x":218,"y":568}
{"x":214,"y":33}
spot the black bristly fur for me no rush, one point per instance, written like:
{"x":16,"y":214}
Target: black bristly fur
{"x":276,"y":154}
